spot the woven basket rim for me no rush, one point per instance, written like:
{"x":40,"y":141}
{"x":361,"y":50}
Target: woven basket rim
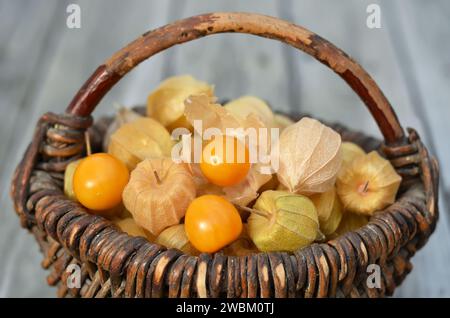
{"x":380,"y":240}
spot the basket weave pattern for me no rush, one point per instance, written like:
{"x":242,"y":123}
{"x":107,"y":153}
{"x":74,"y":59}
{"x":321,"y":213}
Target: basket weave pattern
{"x":114,"y":264}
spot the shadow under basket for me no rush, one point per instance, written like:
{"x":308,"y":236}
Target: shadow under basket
{"x":113,"y":264}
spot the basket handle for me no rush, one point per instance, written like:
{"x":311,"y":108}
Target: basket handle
{"x":152,"y":42}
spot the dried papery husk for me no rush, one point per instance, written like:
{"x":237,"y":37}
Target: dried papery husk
{"x":281,"y":121}
{"x":123,"y":116}
{"x":246,"y":191}
{"x":329,"y":210}
{"x":140,"y":139}
{"x":175,"y":237}
{"x":118,"y":212}
{"x":283,"y":221}
{"x":181,"y":122}
{"x":166,"y":102}
{"x":212,"y":115}
{"x":310,"y":157}
{"x":129,"y":226}
{"x":158,"y":193}
{"x":368,"y":184}
{"x":124,"y":213}
{"x":350,"y":151}
{"x":244,"y":106}
{"x":350,"y":222}
{"x":242,"y":246}
{"x":68,"y":179}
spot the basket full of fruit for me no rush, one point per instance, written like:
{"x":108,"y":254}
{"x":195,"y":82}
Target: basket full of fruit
{"x":191,"y":197}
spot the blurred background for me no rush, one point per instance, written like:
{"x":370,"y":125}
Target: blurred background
{"x":43,"y":63}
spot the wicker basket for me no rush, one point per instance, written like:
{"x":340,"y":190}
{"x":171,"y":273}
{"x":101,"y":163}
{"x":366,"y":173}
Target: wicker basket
{"x":114,"y":264}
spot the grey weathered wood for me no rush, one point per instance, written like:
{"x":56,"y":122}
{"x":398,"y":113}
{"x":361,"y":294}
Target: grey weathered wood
{"x":325,"y":95}
{"x":424,"y":56}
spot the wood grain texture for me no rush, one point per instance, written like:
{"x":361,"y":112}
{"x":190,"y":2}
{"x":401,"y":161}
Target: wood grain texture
{"x":379,"y":51}
{"x":29,"y":28}
{"x":43,"y":71}
{"x":417,"y":34}
{"x":237,"y":64}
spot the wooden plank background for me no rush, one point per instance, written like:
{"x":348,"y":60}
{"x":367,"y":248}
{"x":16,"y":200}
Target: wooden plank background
{"x":43,"y":63}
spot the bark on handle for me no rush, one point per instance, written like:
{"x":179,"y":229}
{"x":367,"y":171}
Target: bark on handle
{"x":199,"y":26}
